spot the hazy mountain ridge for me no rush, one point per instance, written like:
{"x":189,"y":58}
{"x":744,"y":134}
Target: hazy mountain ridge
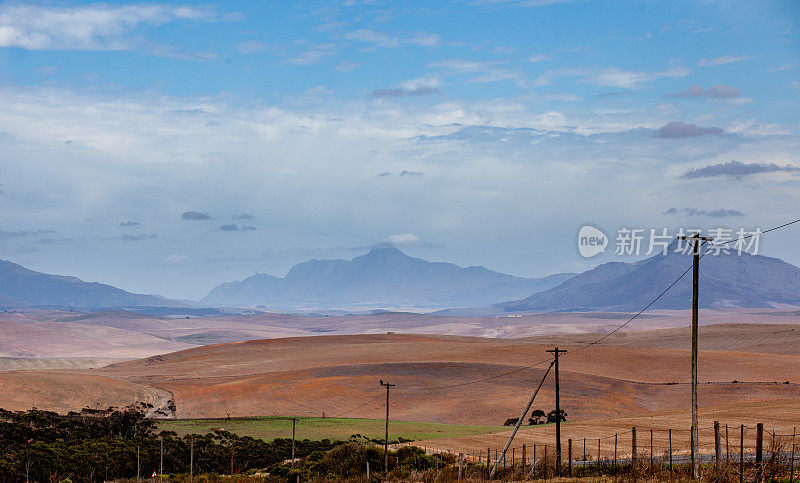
{"x":726,"y":280}
{"x":21,"y":287}
{"x":384,"y":276}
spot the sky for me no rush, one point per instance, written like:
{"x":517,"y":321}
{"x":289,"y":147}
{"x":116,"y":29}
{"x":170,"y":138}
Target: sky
{"x":168,"y":147}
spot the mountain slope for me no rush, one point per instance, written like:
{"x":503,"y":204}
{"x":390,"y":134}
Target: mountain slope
{"x":21,"y":287}
{"x":383,"y":277}
{"x":725,"y":281}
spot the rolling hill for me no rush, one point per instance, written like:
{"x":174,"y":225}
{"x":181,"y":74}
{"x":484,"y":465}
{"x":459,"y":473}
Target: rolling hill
{"x":383,"y":277}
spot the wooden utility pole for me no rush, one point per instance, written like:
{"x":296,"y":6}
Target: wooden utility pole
{"x":191,"y":459}
{"x":294,"y":421}
{"x":386,"y":439}
{"x":697,"y":239}
{"x":520,"y":419}
{"x":555,"y":353}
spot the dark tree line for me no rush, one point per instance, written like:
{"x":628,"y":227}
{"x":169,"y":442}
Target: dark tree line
{"x":536,"y":418}
{"x":100,"y":445}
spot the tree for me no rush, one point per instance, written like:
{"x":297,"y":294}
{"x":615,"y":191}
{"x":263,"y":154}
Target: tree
{"x":536,"y":415}
{"x":511,"y":422}
{"x":551,"y":416}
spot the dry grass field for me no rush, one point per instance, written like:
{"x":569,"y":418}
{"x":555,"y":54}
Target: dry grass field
{"x":631,"y":378}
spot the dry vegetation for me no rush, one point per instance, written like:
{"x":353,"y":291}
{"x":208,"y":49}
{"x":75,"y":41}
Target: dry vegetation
{"x":636,"y":378}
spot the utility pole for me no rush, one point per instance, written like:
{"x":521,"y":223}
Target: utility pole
{"x":386,"y":440}
{"x":294,"y":420}
{"x":697,"y":239}
{"x":555,"y":353}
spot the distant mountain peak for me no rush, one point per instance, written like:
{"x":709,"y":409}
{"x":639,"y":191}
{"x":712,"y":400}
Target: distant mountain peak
{"x":385,"y":250}
{"x":726,"y":280}
{"x":383,"y":277}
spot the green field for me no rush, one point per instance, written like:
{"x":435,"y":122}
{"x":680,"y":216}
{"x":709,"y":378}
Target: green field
{"x":269,"y":428}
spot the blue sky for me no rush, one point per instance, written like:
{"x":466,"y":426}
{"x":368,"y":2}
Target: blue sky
{"x":477,"y":132}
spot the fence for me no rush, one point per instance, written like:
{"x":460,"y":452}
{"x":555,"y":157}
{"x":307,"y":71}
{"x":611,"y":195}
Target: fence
{"x":751,"y":453}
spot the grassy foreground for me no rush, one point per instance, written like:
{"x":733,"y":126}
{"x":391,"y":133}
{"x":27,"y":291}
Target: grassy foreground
{"x":315,"y":429}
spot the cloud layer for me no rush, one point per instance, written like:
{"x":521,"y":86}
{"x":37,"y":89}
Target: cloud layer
{"x":88,"y":27}
{"x":678,"y":129}
{"x":736,"y":169}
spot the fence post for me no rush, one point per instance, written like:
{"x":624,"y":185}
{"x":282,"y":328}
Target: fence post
{"x":791,"y":471}
{"x":633,"y":446}
{"x":741,"y":456}
{"x":584,"y":451}
{"x":545,"y":462}
{"x":569,"y":455}
{"x":598,"y":452}
{"x":717,"y":446}
{"x":759,"y":449}
{"x":513,"y":459}
{"x":460,"y":465}
{"x":534,"y":460}
{"x":615,"y":453}
{"x":727,"y":445}
{"x":488,"y":461}
{"x":670,"y":453}
{"x":651,"y":450}
{"x":523,"y":458}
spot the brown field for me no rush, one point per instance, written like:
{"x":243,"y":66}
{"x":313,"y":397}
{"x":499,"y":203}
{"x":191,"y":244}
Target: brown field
{"x":125,"y":335}
{"x":632,"y":378}
{"x":63,"y":391}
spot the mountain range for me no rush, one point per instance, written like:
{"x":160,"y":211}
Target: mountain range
{"x":387,"y":278}
{"x":384,"y":277}
{"x":726,"y":280}
{"x":21,"y":287}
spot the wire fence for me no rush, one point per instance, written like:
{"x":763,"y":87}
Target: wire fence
{"x":751,"y":454}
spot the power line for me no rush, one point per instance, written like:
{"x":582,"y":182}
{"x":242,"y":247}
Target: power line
{"x":605,"y":336}
{"x":676,"y":281}
{"x":622,"y":326}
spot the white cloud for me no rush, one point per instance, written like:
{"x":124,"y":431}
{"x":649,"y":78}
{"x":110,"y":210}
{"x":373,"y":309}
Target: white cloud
{"x":174,"y":259}
{"x":89,"y":27}
{"x":795,"y":84}
{"x":347,"y":66}
{"x":523,"y":3}
{"x":314,"y":55}
{"x":251,"y":47}
{"x":725,"y":59}
{"x":408,"y":240}
{"x":484,"y":71}
{"x":539,"y":57}
{"x":382,"y":39}
{"x":784,"y":67}
{"x":613,"y":76}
